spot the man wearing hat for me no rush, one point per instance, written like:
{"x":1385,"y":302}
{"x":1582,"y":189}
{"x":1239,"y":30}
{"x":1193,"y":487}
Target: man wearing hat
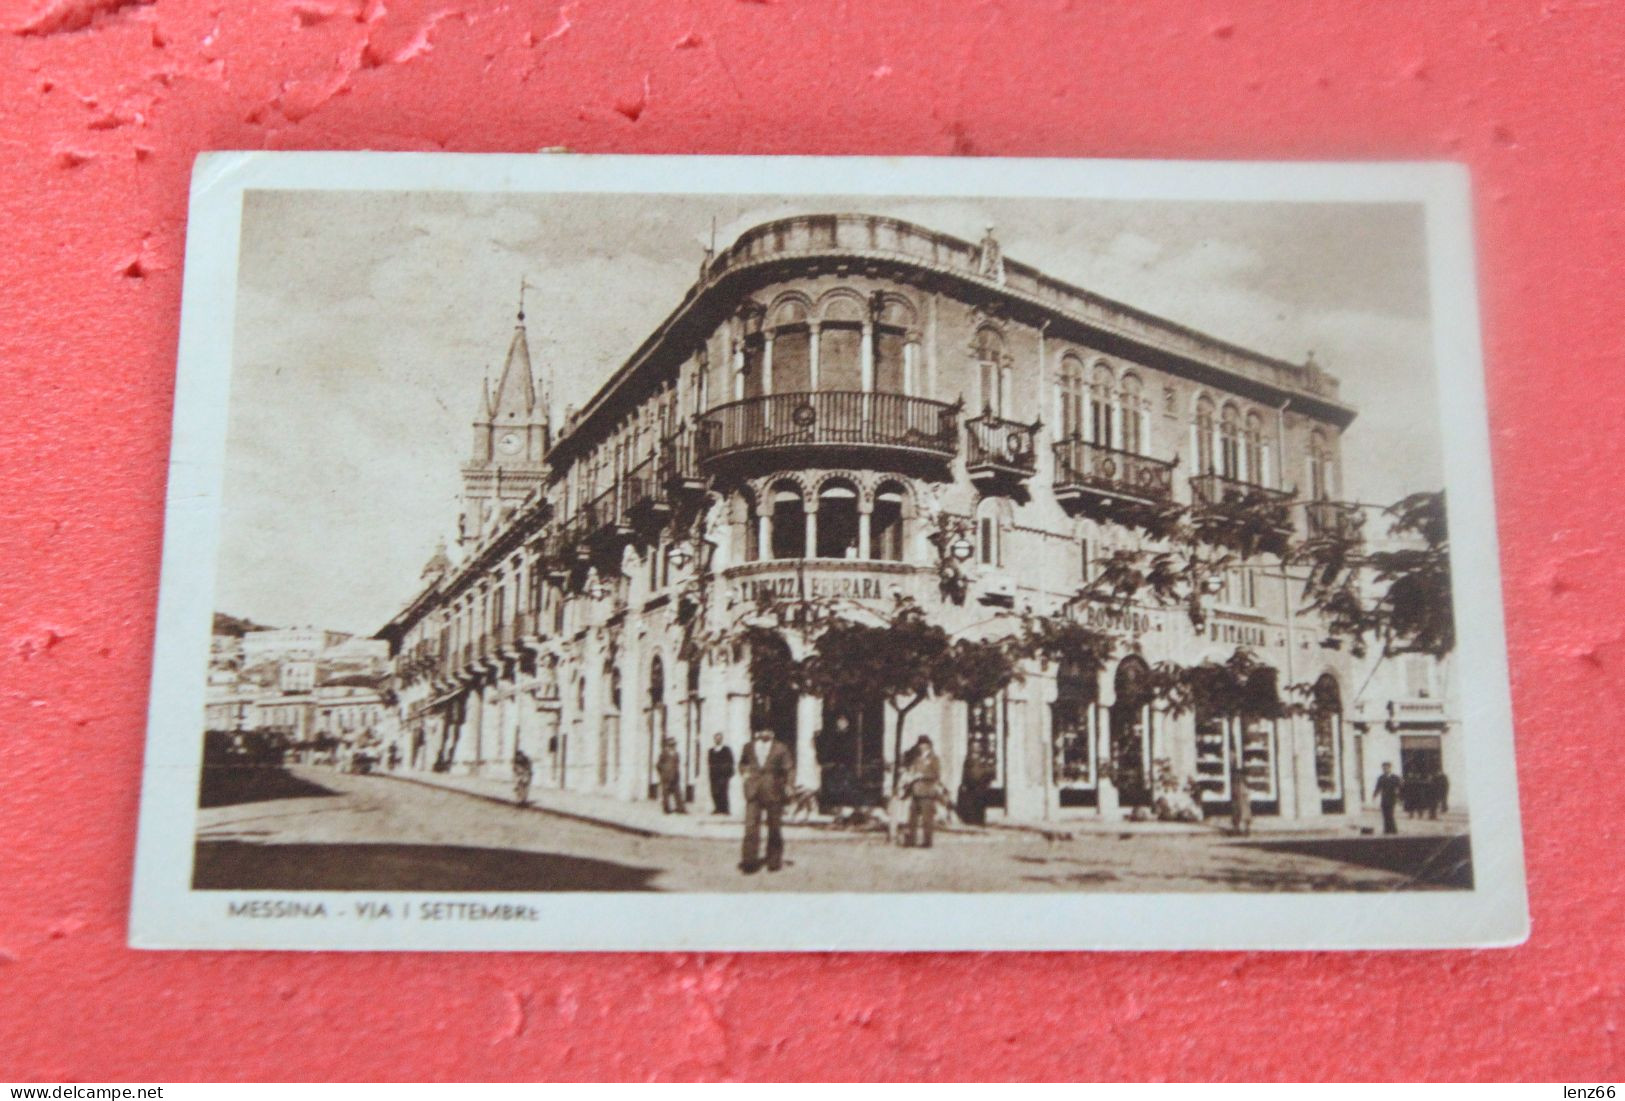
{"x":769,"y":776}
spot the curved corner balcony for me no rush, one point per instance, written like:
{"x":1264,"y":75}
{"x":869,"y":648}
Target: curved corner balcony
{"x":841,"y":421}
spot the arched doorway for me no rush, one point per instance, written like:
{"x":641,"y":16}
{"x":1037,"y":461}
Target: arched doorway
{"x":851,"y":750}
{"x":1072,"y":724}
{"x":1130,"y":723}
{"x":773,"y":698}
{"x":656,"y":722}
{"x":1327,"y":717}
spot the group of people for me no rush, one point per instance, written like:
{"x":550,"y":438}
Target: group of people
{"x":1418,"y":794}
{"x":768,"y":774}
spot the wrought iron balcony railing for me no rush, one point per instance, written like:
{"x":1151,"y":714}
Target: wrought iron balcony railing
{"x":1217,"y":489}
{"x":1082,"y":468}
{"x":843,"y":419}
{"x":997,"y":446}
{"x":679,"y":465}
{"x":1336,"y":519}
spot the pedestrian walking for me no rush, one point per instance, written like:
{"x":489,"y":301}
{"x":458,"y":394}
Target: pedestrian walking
{"x":769,"y":777}
{"x":1386,"y":793}
{"x":719,"y":763}
{"x":1241,"y":801}
{"x":1443,"y":783}
{"x":522,"y":774}
{"x":923,"y":785}
{"x":670,"y":771}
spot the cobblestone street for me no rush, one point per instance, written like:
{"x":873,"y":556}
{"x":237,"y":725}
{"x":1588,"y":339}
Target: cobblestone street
{"x":317,"y":829}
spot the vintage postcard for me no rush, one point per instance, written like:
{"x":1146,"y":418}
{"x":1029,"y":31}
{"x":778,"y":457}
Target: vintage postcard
{"x":571,"y":552}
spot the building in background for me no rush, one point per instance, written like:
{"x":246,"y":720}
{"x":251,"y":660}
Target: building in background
{"x":845,"y":410}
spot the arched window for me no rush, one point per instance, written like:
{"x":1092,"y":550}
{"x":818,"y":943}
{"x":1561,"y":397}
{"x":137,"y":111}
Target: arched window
{"x":789,"y":535}
{"x":1230,"y":442}
{"x":992,"y":373}
{"x":1320,"y":466}
{"x":1253,"y":450}
{"x":1134,"y":415}
{"x":1205,"y":431}
{"x":838,"y":521}
{"x":840,"y":345}
{"x":886,"y":524}
{"x":989,"y":534}
{"x":894,"y":358}
{"x":790,"y":361}
{"x":1100,"y":406}
{"x":1071,"y":399}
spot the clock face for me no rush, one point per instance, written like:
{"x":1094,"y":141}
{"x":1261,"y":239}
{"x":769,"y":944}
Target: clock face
{"x":510,"y":443}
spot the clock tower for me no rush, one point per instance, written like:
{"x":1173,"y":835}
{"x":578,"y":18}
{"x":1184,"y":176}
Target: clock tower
{"x":511,"y":439}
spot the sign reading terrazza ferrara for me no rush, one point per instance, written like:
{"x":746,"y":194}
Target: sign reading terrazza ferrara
{"x":709,"y":553}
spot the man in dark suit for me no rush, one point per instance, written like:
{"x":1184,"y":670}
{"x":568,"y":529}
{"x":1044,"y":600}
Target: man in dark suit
{"x":719,"y":759}
{"x":769,"y":776}
{"x":1387,"y":795}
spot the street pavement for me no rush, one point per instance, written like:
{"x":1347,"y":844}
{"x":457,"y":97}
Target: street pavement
{"x":318,"y":829}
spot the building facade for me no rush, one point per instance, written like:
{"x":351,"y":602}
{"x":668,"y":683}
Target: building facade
{"x":846,"y":410}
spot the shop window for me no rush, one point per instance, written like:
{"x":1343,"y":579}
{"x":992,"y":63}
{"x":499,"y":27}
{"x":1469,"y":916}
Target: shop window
{"x":1072,"y":721}
{"x":886,"y":525}
{"x":1328,"y":719}
{"x":837,"y":522}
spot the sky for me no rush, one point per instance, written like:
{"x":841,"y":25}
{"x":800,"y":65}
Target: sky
{"x":367,"y":321}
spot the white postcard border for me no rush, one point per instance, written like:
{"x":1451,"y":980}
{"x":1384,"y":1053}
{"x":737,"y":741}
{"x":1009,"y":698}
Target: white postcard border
{"x":166,"y":913}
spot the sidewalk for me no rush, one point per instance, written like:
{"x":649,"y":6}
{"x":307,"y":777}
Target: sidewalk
{"x":644,"y":818}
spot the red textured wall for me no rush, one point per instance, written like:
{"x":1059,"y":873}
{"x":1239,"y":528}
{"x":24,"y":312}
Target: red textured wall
{"x":103,"y":104}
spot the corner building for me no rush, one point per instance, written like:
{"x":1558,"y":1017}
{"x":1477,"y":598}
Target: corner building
{"x":841,"y":410}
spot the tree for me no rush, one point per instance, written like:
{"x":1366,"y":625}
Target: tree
{"x":899,"y":661}
{"x":1412,"y":609}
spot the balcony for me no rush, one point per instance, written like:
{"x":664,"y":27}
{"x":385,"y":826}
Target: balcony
{"x":1333,"y":520}
{"x":679,"y":465}
{"x":1093,"y":473}
{"x":645,"y":496}
{"x":844,"y":422}
{"x":999,"y":452}
{"x":1210,"y":490}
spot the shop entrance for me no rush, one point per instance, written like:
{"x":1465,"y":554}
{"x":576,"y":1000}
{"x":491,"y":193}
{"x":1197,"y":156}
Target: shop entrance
{"x":772,"y":700}
{"x":1130,"y":724}
{"x":1074,"y":737}
{"x":852,"y":754}
{"x":1420,"y":755}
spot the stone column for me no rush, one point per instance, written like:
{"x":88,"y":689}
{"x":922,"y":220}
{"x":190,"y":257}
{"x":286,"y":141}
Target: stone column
{"x":810,"y":508}
{"x":866,"y":357}
{"x":865,"y":516}
{"x":812,"y":354}
{"x":767,"y":362}
{"x":809,"y":710}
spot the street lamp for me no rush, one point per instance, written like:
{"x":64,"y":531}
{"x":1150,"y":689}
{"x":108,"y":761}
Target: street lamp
{"x":962,"y":549}
{"x":680,"y":556}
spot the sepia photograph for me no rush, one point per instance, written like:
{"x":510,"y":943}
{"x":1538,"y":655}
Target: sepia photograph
{"x":966,"y":548}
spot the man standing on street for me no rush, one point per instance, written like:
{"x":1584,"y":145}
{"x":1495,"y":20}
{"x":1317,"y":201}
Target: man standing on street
{"x":1387,"y":794}
{"x":924,"y":788}
{"x":769,"y":775}
{"x":669,"y":769}
{"x":719,"y":759}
